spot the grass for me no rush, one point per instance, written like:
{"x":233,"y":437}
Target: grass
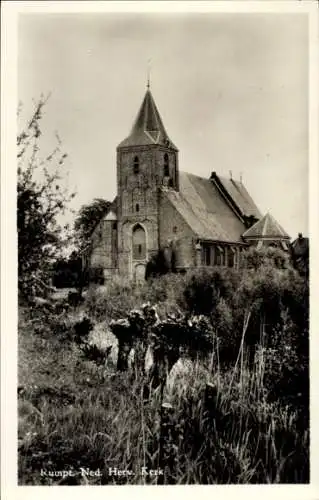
{"x":73,"y":414}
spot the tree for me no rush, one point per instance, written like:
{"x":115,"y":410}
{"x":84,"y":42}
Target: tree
{"x":88,"y":216}
{"x":67,"y":272}
{"x":41,"y":199}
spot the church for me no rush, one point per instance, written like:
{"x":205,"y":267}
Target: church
{"x":198,"y":221}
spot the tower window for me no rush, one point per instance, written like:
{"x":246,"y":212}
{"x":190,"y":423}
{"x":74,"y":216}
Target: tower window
{"x":166,"y":165}
{"x":138,"y":243}
{"x":136,"y":165}
{"x":137,"y":207}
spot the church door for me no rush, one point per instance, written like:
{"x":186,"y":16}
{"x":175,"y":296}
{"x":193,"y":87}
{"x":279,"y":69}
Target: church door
{"x":139,"y":253}
{"x":138,"y":243}
{"x":139,"y":273}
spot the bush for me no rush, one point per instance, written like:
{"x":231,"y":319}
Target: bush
{"x":119,"y":296}
{"x":231,"y":421}
{"x":112,"y":301}
{"x":268,"y":256}
{"x":96,"y":275}
{"x":204,"y":288}
{"x":168,"y":288}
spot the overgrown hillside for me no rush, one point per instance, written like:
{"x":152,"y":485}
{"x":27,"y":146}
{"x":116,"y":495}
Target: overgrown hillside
{"x":233,"y":409}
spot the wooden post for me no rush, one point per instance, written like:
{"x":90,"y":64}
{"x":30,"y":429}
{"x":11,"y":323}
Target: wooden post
{"x":166,"y":455}
{"x":123,"y":352}
{"x":140,"y":348}
{"x":210,"y":401}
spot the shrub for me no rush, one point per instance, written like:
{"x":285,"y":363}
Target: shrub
{"x":96,"y":275}
{"x":205,"y":287}
{"x":112,"y":301}
{"x":119,"y":296}
{"x":268,"y":256}
{"x":82,"y":330}
{"x":248,"y":425}
{"x":94,"y":353}
{"x":168,"y":288}
{"x":158,"y":265}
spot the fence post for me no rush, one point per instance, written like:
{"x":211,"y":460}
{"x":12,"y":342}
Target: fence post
{"x":166,"y":451}
{"x":210,"y":399}
{"x":123,"y":353}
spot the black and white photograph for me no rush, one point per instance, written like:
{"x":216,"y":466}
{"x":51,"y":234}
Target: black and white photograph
{"x":162,"y":247}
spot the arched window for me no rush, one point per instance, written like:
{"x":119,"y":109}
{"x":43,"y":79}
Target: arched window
{"x":139,"y":243}
{"x":136,"y":165}
{"x":166,"y":165}
{"x":137,"y":207}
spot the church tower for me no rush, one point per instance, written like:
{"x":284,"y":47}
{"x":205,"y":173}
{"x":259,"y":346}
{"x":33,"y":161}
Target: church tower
{"x":146,"y":161}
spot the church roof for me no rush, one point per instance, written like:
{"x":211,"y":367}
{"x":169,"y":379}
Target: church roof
{"x":266,"y":228}
{"x":204,"y":208}
{"x":148,"y":127}
{"x":239,"y":195}
{"x":110,"y":216}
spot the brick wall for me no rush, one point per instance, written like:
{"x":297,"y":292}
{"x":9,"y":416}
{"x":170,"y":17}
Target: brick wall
{"x":104,"y":246}
{"x":174,"y":229}
{"x":138,"y":198}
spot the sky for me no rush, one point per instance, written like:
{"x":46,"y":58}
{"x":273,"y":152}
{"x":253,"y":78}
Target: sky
{"x":232,"y":90}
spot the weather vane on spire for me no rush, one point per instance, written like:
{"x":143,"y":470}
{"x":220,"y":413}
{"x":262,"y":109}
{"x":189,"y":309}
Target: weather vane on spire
{"x":148,"y":73}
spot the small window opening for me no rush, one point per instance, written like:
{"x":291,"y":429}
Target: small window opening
{"x":166,"y":165}
{"x":219,"y":256}
{"x":136,"y":165}
{"x":137,"y":207}
{"x":207,"y":255}
{"x":140,"y":249}
{"x":175,"y":229}
{"x":231,"y":256}
{"x":114,"y":225}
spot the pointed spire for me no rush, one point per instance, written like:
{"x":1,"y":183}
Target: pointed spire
{"x":148,"y":127}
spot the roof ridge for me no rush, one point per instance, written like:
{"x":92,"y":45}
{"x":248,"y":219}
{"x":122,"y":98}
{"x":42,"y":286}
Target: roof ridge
{"x":148,"y":121}
{"x":263,"y":231}
{"x":240,"y":196}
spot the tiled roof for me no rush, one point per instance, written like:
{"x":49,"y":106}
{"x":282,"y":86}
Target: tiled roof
{"x":266,"y":227}
{"x":111,"y":210}
{"x":239,"y":194}
{"x":205,"y":210}
{"x":148,"y":127}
